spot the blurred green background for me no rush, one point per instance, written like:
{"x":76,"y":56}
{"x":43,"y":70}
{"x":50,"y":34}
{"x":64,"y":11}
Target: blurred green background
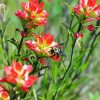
{"x":84,"y":87}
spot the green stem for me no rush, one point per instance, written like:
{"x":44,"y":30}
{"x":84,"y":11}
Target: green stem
{"x":35,"y":65}
{"x":72,"y":52}
{"x":91,"y":47}
{"x":21,"y":42}
{"x":19,"y":48}
{"x":71,"y":58}
{"x":70,"y":63}
{"x":77,"y":76}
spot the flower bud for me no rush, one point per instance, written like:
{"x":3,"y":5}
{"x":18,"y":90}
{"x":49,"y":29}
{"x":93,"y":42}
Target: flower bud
{"x":90,"y":27}
{"x":23,"y":34}
{"x":78,"y":35}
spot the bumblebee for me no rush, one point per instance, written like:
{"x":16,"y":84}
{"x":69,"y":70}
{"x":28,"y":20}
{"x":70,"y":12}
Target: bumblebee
{"x":56,"y":50}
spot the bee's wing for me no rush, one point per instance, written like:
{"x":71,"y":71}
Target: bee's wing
{"x":62,"y":53}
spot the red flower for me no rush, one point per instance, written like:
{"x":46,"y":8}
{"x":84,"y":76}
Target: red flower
{"x":33,"y":12}
{"x":4,"y":95}
{"x":89,"y":8}
{"x":42,"y":61}
{"x":2,"y":79}
{"x":43,"y":45}
{"x":22,"y":15}
{"x":18,"y":74}
{"x":78,"y":35}
{"x":90,"y":27}
{"x":2,"y":88}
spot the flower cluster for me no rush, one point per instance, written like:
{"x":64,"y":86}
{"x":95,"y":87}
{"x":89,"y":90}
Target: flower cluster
{"x":19,"y":75}
{"x":89,"y":9}
{"x":33,"y":14}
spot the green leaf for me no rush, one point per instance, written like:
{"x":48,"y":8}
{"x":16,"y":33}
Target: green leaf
{"x":54,"y":72}
{"x":70,"y":30}
{"x":51,"y":91}
{"x":14,"y":42}
{"x":64,"y":84}
{"x":93,"y":96}
{"x":34,"y":93}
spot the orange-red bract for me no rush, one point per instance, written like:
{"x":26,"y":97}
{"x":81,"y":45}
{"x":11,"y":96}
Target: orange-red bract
{"x":89,"y":9}
{"x":18,"y":74}
{"x":43,"y":45}
{"x":33,"y":13}
{"x":3,"y":93}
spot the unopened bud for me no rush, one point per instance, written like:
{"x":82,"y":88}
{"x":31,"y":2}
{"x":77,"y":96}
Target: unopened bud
{"x":78,"y":35}
{"x":23,"y":34}
{"x":90,"y":27}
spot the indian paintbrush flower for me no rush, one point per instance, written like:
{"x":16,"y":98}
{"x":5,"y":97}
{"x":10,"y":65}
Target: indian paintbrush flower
{"x":43,"y":45}
{"x":32,"y":13}
{"x":89,"y":9}
{"x":19,"y":75}
{"x":3,"y":93}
